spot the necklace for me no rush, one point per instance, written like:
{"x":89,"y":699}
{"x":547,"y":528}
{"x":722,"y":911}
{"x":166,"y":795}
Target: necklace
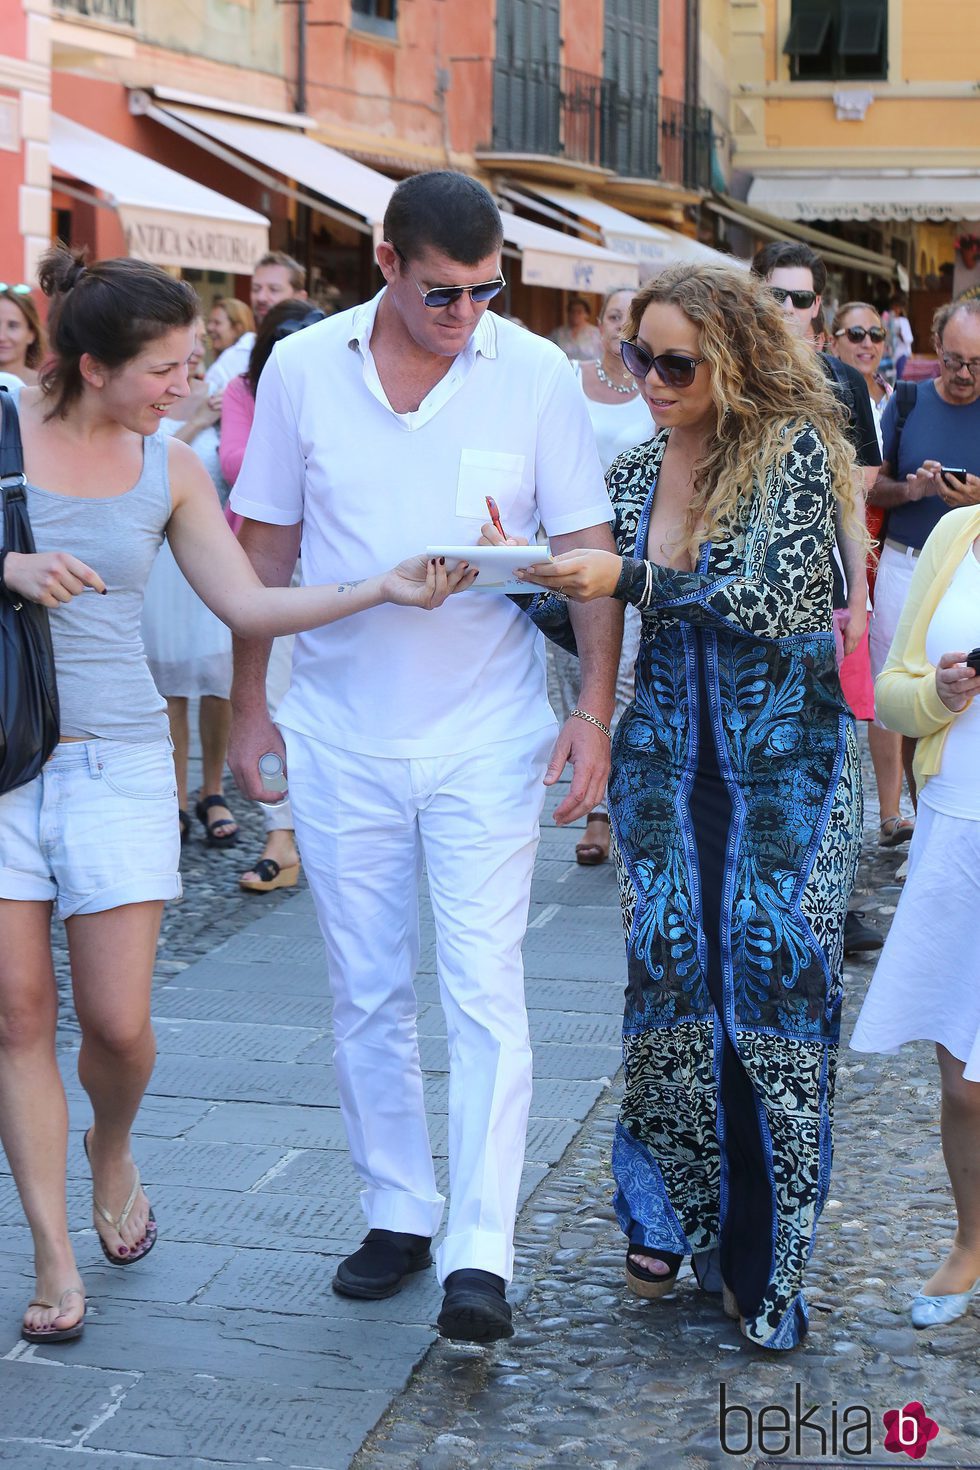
{"x":607,"y":380}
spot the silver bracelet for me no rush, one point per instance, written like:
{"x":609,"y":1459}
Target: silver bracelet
{"x":583,"y":714}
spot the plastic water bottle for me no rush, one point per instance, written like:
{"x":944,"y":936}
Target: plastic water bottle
{"x":273,"y":774}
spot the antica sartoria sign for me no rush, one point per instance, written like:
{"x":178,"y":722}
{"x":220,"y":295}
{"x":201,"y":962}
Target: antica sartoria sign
{"x":202,"y":244}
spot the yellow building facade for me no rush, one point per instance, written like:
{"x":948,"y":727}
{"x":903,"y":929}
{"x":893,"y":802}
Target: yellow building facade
{"x":862,"y":118}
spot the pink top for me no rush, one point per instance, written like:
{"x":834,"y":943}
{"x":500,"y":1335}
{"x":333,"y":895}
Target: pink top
{"x":237,"y":413}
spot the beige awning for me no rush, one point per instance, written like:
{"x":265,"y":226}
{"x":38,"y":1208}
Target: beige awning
{"x":549,"y":258}
{"x":831,"y":249}
{"x":359,"y":190}
{"x":652,"y":247}
{"x":886,"y":194}
{"x":168,"y":219}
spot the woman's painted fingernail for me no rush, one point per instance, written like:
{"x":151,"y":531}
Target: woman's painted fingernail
{"x":442,"y":561}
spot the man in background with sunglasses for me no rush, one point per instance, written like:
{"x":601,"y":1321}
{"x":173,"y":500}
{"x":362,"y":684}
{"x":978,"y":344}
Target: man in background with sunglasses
{"x":379,"y":432}
{"x":938,"y":434}
{"x":797,"y":277}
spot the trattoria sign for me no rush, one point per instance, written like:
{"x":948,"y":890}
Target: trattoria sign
{"x":167,"y":238}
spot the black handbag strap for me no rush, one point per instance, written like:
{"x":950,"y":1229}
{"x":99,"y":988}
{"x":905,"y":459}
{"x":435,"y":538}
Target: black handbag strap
{"x":11,"y":449}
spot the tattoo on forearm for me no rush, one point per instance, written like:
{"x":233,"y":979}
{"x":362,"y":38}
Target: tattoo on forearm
{"x":349,"y":586}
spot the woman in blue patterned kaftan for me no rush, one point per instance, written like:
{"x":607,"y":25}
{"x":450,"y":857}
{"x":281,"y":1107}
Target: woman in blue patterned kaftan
{"x":734,"y":795}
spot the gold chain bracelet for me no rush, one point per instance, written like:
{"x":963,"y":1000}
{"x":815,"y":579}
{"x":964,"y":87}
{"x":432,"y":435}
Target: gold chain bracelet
{"x":583,"y":714}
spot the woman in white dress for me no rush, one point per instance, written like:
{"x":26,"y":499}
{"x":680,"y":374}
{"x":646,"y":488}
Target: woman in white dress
{"x":927,"y":984}
{"x":187,"y":648}
{"x":620,"y":420}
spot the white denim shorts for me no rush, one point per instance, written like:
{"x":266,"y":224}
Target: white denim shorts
{"x":96,"y":829}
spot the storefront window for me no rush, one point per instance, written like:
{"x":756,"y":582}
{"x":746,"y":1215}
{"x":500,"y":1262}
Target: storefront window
{"x":379,"y":16}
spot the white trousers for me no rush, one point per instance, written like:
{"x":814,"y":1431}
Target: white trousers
{"x":364,"y":824}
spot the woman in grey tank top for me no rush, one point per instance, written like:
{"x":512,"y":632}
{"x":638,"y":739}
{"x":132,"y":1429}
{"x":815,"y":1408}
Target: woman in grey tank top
{"x":94,"y":838}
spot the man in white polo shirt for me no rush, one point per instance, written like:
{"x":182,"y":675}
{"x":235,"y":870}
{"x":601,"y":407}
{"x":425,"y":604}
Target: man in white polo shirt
{"x":377,"y":433}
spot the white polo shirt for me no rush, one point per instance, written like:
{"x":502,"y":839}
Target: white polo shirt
{"x":372,"y":487}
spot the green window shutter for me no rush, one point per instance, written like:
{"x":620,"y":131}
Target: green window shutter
{"x":862,"y":30}
{"x":808,"y":30}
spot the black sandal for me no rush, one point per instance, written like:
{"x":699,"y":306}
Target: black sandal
{"x":215,"y":838}
{"x":269,"y":875}
{"x":646,"y":1284}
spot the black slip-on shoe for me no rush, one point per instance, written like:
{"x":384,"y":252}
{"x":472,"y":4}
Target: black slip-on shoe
{"x":379,"y":1268}
{"x":859,"y":938}
{"x":475,"y":1308}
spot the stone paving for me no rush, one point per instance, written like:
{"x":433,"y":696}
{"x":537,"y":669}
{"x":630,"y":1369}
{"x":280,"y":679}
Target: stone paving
{"x":227,"y":1347}
{"x":596,"y":1378}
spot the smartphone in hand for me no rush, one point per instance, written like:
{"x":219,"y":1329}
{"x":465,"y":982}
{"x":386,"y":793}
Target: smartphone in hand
{"x":973,"y":660}
{"x":945,"y":470}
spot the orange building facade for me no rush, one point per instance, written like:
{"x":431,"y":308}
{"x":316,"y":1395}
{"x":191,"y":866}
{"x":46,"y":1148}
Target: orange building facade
{"x":25,"y":81}
{"x":289,"y":122}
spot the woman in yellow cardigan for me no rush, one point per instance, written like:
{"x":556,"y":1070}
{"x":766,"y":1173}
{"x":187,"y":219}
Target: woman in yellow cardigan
{"x":927,"y":984}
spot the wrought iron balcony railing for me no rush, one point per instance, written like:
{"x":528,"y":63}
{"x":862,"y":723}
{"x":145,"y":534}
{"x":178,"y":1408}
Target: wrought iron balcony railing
{"x":119,"y":12}
{"x":545,"y":109}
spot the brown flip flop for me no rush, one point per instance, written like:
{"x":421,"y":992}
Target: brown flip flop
{"x":590,"y":854}
{"x":55,"y":1334}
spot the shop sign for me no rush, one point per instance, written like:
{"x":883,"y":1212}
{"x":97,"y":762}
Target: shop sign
{"x":193,"y":242}
{"x":649,"y":254}
{"x":575,"y":273}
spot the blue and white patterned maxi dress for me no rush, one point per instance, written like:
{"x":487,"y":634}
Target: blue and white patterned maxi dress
{"x":735,"y":799}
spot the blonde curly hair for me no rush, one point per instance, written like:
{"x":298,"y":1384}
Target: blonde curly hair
{"x":766,"y":383}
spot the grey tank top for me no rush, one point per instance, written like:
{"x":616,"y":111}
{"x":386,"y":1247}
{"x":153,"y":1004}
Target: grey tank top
{"x":104,"y":686}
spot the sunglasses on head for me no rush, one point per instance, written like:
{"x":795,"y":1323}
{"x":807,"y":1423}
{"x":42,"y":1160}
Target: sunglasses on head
{"x":674,"y":369}
{"x":20,"y":290}
{"x":438,"y":296}
{"x":298,"y":324}
{"x":858,"y":334}
{"x":802,"y":300}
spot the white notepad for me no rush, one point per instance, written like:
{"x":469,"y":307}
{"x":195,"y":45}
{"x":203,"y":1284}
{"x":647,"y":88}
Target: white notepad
{"x":497,"y":564}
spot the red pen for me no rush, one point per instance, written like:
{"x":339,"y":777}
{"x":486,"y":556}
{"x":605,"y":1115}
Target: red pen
{"x":495,"y":515}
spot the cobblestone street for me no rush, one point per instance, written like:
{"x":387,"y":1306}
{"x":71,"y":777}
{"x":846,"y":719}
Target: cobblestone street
{"x":228,"y":1347}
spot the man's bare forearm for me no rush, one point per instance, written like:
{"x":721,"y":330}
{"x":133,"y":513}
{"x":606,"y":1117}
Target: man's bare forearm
{"x":272,"y":550}
{"x":598,"y":630}
{"x":852,"y":550}
{"x":887,"y":493}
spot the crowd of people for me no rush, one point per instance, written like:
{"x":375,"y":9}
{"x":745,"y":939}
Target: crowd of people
{"x":720,"y":497}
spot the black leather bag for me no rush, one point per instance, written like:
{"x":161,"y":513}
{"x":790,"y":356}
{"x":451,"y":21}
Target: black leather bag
{"x":548,"y":612}
{"x":29,"y":715}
